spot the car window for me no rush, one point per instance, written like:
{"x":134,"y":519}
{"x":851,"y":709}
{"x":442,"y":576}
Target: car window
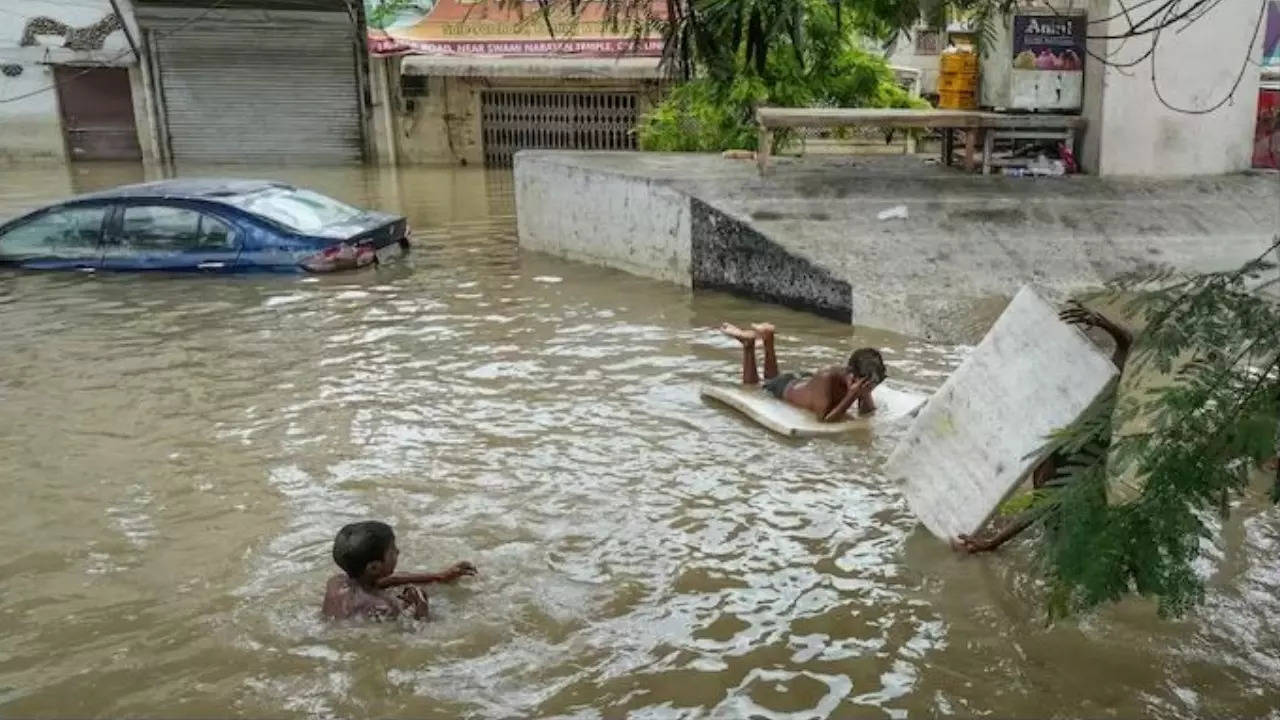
{"x":68,"y":232}
{"x":300,"y":210}
{"x":159,"y":227}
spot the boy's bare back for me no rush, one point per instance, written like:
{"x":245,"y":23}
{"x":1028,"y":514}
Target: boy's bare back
{"x":344,"y":598}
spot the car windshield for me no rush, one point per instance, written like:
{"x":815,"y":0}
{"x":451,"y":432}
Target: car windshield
{"x":297,"y":209}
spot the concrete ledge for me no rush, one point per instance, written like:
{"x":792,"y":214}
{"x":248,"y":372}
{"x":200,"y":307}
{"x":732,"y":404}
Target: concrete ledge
{"x":581,"y":213}
{"x":808,"y":235}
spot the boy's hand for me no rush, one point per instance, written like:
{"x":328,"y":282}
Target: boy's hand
{"x":856,"y":384}
{"x":461,"y":569}
{"x":1077,"y":314}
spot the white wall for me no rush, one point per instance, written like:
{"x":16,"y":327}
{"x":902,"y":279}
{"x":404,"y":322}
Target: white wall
{"x":30,"y":127}
{"x":904,"y":54}
{"x":560,"y":205}
{"x":1132,"y":133}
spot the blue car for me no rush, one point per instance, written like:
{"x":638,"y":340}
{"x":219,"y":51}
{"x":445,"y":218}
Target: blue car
{"x":203,"y":225}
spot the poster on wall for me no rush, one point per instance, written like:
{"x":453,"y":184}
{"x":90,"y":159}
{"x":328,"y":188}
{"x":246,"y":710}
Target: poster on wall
{"x":492,"y":27}
{"x":1048,"y":42}
{"x":1271,"y":36}
{"x":1266,"y":138}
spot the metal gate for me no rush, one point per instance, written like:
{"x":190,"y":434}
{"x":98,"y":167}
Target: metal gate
{"x":514,"y":120}
{"x":254,"y":86}
{"x":97,"y":113}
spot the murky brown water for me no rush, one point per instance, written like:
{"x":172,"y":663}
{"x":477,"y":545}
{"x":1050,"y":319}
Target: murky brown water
{"x":176,"y":454}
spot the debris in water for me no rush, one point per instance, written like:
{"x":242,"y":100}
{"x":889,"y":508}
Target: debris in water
{"x":894,"y":213}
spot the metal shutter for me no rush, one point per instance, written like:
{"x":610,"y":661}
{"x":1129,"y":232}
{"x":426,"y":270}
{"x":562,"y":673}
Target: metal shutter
{"x":278,"y":89}
{"x":514,"y":120}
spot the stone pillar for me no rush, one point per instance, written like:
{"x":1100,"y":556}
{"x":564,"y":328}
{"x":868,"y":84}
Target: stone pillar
{"x":384,"y":94}
{"x":144,"y":113}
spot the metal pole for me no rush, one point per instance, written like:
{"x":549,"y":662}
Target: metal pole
{"x":125,"y":27}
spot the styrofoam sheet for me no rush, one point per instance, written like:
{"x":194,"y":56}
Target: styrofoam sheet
{"x":979,"y":435}
{"x":785,"y":419}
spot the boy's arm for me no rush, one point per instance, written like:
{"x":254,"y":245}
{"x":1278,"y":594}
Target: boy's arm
{"x":1078,"y":314}
{"x":854,"y":388}
{"x":866,"y":403}
{"x":461,"y":569}
{"x":1123,"y":339}
{"x":411,"y":579}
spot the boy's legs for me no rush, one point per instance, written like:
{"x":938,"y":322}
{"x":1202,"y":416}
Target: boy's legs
{"x":764,"y":331}
{"x":748,"y":340}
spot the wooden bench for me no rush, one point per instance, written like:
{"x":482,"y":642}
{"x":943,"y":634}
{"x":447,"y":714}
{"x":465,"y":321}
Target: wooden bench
{"x":989,"y":126}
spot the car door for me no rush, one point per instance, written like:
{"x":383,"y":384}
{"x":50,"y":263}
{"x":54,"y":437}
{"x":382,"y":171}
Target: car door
{"x":61,"y":238}
{"x":167,"y":236}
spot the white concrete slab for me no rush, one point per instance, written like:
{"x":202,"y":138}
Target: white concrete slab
{"x":633,"y":224}
{"x":981,"y":433}
{"x":891,"y":405}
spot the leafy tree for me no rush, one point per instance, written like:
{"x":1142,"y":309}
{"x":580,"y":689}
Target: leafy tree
{"x":742,"y":54}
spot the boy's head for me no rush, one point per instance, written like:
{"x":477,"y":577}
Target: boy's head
{"x":366,"y":550}
{"x":867,"y":363}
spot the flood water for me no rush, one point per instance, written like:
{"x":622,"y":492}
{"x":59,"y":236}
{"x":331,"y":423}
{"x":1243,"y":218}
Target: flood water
{"x":176,"y":454}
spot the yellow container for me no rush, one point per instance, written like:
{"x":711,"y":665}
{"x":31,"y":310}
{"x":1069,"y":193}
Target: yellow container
{"x":957,"y":82}
{"x":957,"y":100}
{"x":959,"y":62}
{"x":958,"y":79}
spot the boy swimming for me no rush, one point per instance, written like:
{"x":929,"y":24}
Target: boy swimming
{"x":827,"y":393}
{"x":367,"y":554}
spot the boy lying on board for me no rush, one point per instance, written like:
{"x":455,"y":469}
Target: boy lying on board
{"x":827,"y":393}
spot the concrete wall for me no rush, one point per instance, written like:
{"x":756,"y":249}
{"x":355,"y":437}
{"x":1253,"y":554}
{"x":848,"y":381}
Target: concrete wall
{"x":904,"y":54}
{"x":31,"y":126}
{"x":1091,"y":144}
{"x":1133,"y":133}
{"x":384,"y":103}
{"x":442,"y":127}
{"x":634,"y":224}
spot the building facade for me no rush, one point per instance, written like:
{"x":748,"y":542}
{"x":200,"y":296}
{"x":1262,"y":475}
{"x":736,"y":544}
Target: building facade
{"x":468,"y":82}
{"x":457,"y":110}
{"x":71,"y":85}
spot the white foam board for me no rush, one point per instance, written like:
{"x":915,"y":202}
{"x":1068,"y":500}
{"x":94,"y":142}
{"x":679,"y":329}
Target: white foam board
{"x":980,"y":434}
{"x":785,"y":419}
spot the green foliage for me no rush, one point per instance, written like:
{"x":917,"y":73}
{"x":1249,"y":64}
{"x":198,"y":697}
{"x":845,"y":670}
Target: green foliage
{"x":793,"y":54}
{"x":699,"y":116}
{"x":380,"y":13}
{"x":1016,"y":504}
{"x":985,"y":16}
{"x":1216,"y":347}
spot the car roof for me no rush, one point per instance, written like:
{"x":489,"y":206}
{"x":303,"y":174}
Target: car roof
{"x":189,"y":189}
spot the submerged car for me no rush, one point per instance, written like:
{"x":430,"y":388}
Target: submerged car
{"x":203,"y":225}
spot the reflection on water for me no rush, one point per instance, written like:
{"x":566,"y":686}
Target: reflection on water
{"x":177,"y":453}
